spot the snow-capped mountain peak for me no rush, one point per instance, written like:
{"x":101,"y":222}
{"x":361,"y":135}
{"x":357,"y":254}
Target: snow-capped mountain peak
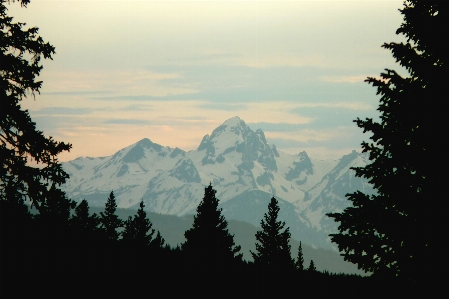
{"x":244,"y":169}
{"x":234,"y":122}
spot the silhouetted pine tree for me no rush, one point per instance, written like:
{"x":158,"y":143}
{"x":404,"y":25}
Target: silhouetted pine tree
{"x":138,"y":230}
{"x":110,"y":222}
{"x":208,"y":243}
{"x":84,"y":223}
{"x":312,"y":267}
{"x":299,"y":263}
{"x":21,"y":50}
{"x":137,"y":240}
{"x":157,"y":243}
{"x":88,"y":236}
{"x":400,"y":230}
{"x":273,"y":248}
{"x":52,"y":236}
{"x":56,"y":208}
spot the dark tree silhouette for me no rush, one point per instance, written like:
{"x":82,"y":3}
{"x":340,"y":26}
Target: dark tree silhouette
{"x":56,"y":208}
{"x":51,"y":235}
{"x":82,"y":221}
{"x":110,"y":222}
{"x":157,"y":243}
{"x":400,"y":230}
{"x":273,"y":248}
{"x":208,"y":243}
{"x":88,"y":236}
{"x":142,"y":248}
{"x":299,"y":263}
{"x":20,"y":141}
{"x":138,"y":230}
{"x":15,"y":224}
{"x":312,"y":267}
{"x":30,"y":172}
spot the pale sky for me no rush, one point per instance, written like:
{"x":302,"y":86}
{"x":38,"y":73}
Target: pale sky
{"x":172,"y":71}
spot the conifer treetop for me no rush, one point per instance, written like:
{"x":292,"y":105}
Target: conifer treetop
{"x":209,"y":238}
{"x":273,"y":248}
{"x":110,"y":221}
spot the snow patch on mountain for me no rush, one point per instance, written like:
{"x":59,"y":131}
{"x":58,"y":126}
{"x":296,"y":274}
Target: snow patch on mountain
{"x":244,"y":169}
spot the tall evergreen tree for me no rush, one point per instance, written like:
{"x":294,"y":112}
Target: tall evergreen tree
{"x":51,"y":236}
{"x":21,"y":51}
{"x":312,"y":267}
{"x":208,"y":243}
{"x":299,"y":263}
{"x":30,"y":172}
{"x":82,"y":221}
{"x":138,"y":230}
{"x":273,"y":248}
{"x":158,"y":242}
{"x":110,"y":222}
{"x":88,"y":237}
{"x":400,"y":230}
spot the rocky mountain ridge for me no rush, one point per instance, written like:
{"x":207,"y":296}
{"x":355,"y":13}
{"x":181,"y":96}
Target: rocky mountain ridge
{"x":245,"y":170}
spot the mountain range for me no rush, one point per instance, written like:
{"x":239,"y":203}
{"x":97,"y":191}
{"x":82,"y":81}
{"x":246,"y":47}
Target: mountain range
{"x":245,"y":170}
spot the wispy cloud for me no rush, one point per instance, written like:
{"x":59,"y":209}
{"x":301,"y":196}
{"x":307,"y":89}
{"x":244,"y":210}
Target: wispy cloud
{"x":174,"y":71}
{"x":223,"y":106}
{"x":75,"y":93}
{"x":139,"y":98}
{"x":127,"y":121}
{"x":276,"y":127}
{"x":129,"y":81}
{"x":290,"y":60}
{"x":345,"y":79}
{"x":338,"y":140}
{"x":342,"y":105}
{"x":331,"y":116}
{"x":63,"y":111}
{"x":137,"y":108}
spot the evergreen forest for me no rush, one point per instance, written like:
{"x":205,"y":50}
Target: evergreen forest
{"x":53,"y":246}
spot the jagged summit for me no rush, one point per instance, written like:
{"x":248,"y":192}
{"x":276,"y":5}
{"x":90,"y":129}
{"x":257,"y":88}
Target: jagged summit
{"x":236,"y":141}
{"x":233,"y":126}
{"x":243,"y":168}
{"x":225,"y":137}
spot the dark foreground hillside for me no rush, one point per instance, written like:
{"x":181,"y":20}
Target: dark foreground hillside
{"x":172,"y":228}
{"x":130,"y":282}
{"x":50,"y":259}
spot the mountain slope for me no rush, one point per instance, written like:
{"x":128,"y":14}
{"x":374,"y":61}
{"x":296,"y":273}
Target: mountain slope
{"x":244,"y":169}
